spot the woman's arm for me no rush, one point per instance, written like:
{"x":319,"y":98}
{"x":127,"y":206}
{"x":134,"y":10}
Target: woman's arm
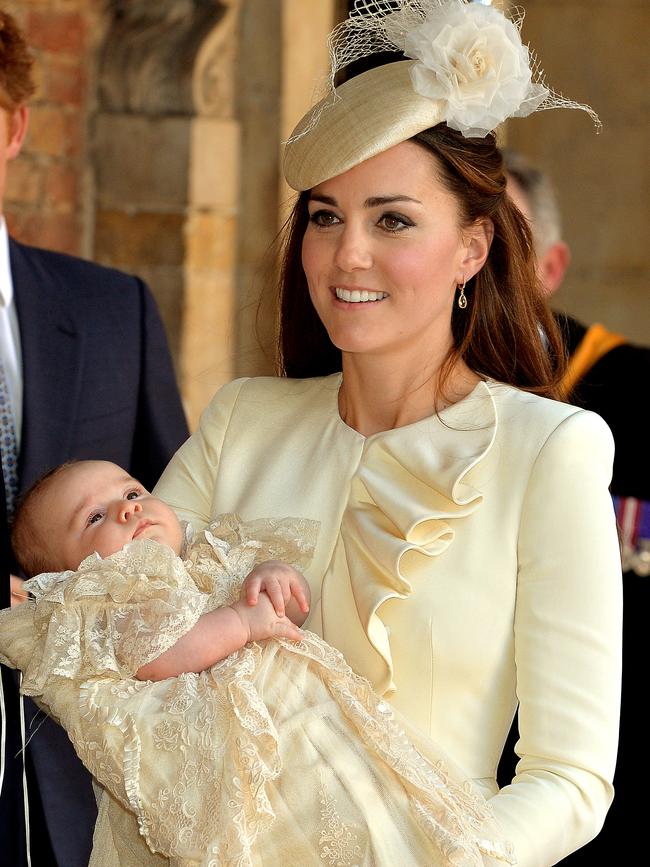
{"x":568,"y":648}
{"x":216,"y":635}
{"x":189,"y":480}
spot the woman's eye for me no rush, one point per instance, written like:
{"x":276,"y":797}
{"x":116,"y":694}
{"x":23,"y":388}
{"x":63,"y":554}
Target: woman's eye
{"x":94,"y":518}
{"x":323,"y":218}
{"x":394,"y":222}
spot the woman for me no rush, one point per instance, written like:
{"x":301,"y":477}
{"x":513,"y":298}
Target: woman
{"x":467,"y":558}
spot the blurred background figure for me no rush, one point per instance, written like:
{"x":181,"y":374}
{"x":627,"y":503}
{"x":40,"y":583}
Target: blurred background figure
{"x":609,"y":375}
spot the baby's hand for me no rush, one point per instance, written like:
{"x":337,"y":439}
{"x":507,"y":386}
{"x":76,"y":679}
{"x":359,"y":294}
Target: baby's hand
{"x":261,"y":621}
{"x":280,"y":582}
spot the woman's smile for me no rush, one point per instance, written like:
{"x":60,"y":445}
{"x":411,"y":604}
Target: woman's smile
{"x":358,"y":295}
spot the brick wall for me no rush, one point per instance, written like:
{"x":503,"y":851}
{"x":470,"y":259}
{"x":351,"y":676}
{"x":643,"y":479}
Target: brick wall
{"x":47,"y":186}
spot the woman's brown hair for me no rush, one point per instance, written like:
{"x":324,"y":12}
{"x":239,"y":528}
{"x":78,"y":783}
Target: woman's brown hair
{"x":506,"y":333}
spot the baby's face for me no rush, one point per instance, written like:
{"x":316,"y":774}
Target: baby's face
{"x":96,"y":506}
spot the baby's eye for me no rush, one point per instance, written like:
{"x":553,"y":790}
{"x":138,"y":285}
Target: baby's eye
{"x":324,"y":218}
{"x":94,"y":518}
{"x":133,"y":495}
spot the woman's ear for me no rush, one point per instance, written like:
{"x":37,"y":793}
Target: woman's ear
{"x":478,"y":240}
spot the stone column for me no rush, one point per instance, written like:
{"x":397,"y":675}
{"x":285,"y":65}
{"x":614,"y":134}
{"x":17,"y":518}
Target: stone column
{"x":281,"y":63}
{"x":195,"y":99}
{"x":166,"y":155}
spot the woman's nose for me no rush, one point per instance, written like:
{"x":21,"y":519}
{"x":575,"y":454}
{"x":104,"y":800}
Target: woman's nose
{"x":353,"y":251}
{"x":128,"y":508}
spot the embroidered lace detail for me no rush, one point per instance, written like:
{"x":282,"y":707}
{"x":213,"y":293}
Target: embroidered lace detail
{"x":111,"y":616}
{"x":221,"y":556}
{"x":209,"y":762}
{"x":339,"y":845}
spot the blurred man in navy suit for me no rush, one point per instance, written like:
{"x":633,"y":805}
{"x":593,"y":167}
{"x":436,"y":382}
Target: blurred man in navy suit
{"x":85,"y":372}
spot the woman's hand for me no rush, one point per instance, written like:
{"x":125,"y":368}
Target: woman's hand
{"x":284,"y":585}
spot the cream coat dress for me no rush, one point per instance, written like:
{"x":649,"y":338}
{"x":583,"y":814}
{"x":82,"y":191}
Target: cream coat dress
{"x":465,"y":563}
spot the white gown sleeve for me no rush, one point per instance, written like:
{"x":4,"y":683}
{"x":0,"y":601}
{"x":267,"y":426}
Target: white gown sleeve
{"x":568,"y":648}
{"x":111,"y":617}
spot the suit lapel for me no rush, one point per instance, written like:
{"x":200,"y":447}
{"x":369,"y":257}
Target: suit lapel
{"x":52,"y":351}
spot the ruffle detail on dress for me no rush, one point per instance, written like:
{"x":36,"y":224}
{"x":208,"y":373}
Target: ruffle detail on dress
{"x":103,"y":719}
{"x":410,"y":488}
{"x":112,"y":616}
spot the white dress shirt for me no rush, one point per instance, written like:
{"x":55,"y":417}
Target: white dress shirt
{"x":10,"y":333}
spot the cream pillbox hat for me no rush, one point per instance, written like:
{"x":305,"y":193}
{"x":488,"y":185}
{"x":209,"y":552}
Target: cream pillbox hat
{"x":373,"y":112}
{"x":468,"y":68}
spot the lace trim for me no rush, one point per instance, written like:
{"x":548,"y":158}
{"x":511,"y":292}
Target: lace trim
{"x":339,"y":845}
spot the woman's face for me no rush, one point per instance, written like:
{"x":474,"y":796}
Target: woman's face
{"x":383,"y":252}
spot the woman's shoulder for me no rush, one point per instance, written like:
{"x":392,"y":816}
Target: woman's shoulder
{"x":268,"y":392}
{"x":530,"y":415}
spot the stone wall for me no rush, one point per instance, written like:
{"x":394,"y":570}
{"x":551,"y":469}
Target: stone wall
{"x":49,"y":189}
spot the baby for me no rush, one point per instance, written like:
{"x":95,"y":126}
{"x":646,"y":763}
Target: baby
{"x":88,"y":507}
{"x":214,"y":745}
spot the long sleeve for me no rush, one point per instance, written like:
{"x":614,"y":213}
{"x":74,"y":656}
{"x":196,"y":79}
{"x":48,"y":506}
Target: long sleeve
{"x":191,"y":477}
{"x":109,"y":618}
{"x":567,"y":648}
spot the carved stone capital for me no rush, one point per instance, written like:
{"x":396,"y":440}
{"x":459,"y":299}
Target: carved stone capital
{"x":169,"y":57}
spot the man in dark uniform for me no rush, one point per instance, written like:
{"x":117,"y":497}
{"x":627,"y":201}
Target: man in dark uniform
{"x":608,"y":375}
{"x":85,"y":372}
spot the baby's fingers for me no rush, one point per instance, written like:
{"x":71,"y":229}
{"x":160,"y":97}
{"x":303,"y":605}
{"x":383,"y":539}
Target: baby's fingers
{"x":298,"y":593}
{"x":251,"y":590}
{"x":273,"y":590}
{"x":286,"y":629}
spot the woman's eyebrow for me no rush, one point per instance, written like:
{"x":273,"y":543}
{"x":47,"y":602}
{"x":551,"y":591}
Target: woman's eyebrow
{"x":372,"y":202}
{"x":320,"y":197}
{"x":376,"y":201}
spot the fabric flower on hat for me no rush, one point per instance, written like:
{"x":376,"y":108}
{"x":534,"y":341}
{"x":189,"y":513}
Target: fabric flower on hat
{"x":473,"y":60}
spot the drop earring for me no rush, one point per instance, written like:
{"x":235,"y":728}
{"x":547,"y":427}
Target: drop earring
{"x":462,"y":298}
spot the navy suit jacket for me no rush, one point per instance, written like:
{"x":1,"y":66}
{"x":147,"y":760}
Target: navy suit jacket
{"x":98,"y":383}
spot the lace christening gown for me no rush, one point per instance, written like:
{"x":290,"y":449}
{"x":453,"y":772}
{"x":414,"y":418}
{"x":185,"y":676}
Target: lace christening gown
{"x":278,"y":756}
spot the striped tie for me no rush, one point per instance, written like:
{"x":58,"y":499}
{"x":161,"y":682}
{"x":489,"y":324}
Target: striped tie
{"x":8,"y":445}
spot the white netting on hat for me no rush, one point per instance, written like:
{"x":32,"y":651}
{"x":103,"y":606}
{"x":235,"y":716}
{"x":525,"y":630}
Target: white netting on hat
{"x":469,"y":56}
